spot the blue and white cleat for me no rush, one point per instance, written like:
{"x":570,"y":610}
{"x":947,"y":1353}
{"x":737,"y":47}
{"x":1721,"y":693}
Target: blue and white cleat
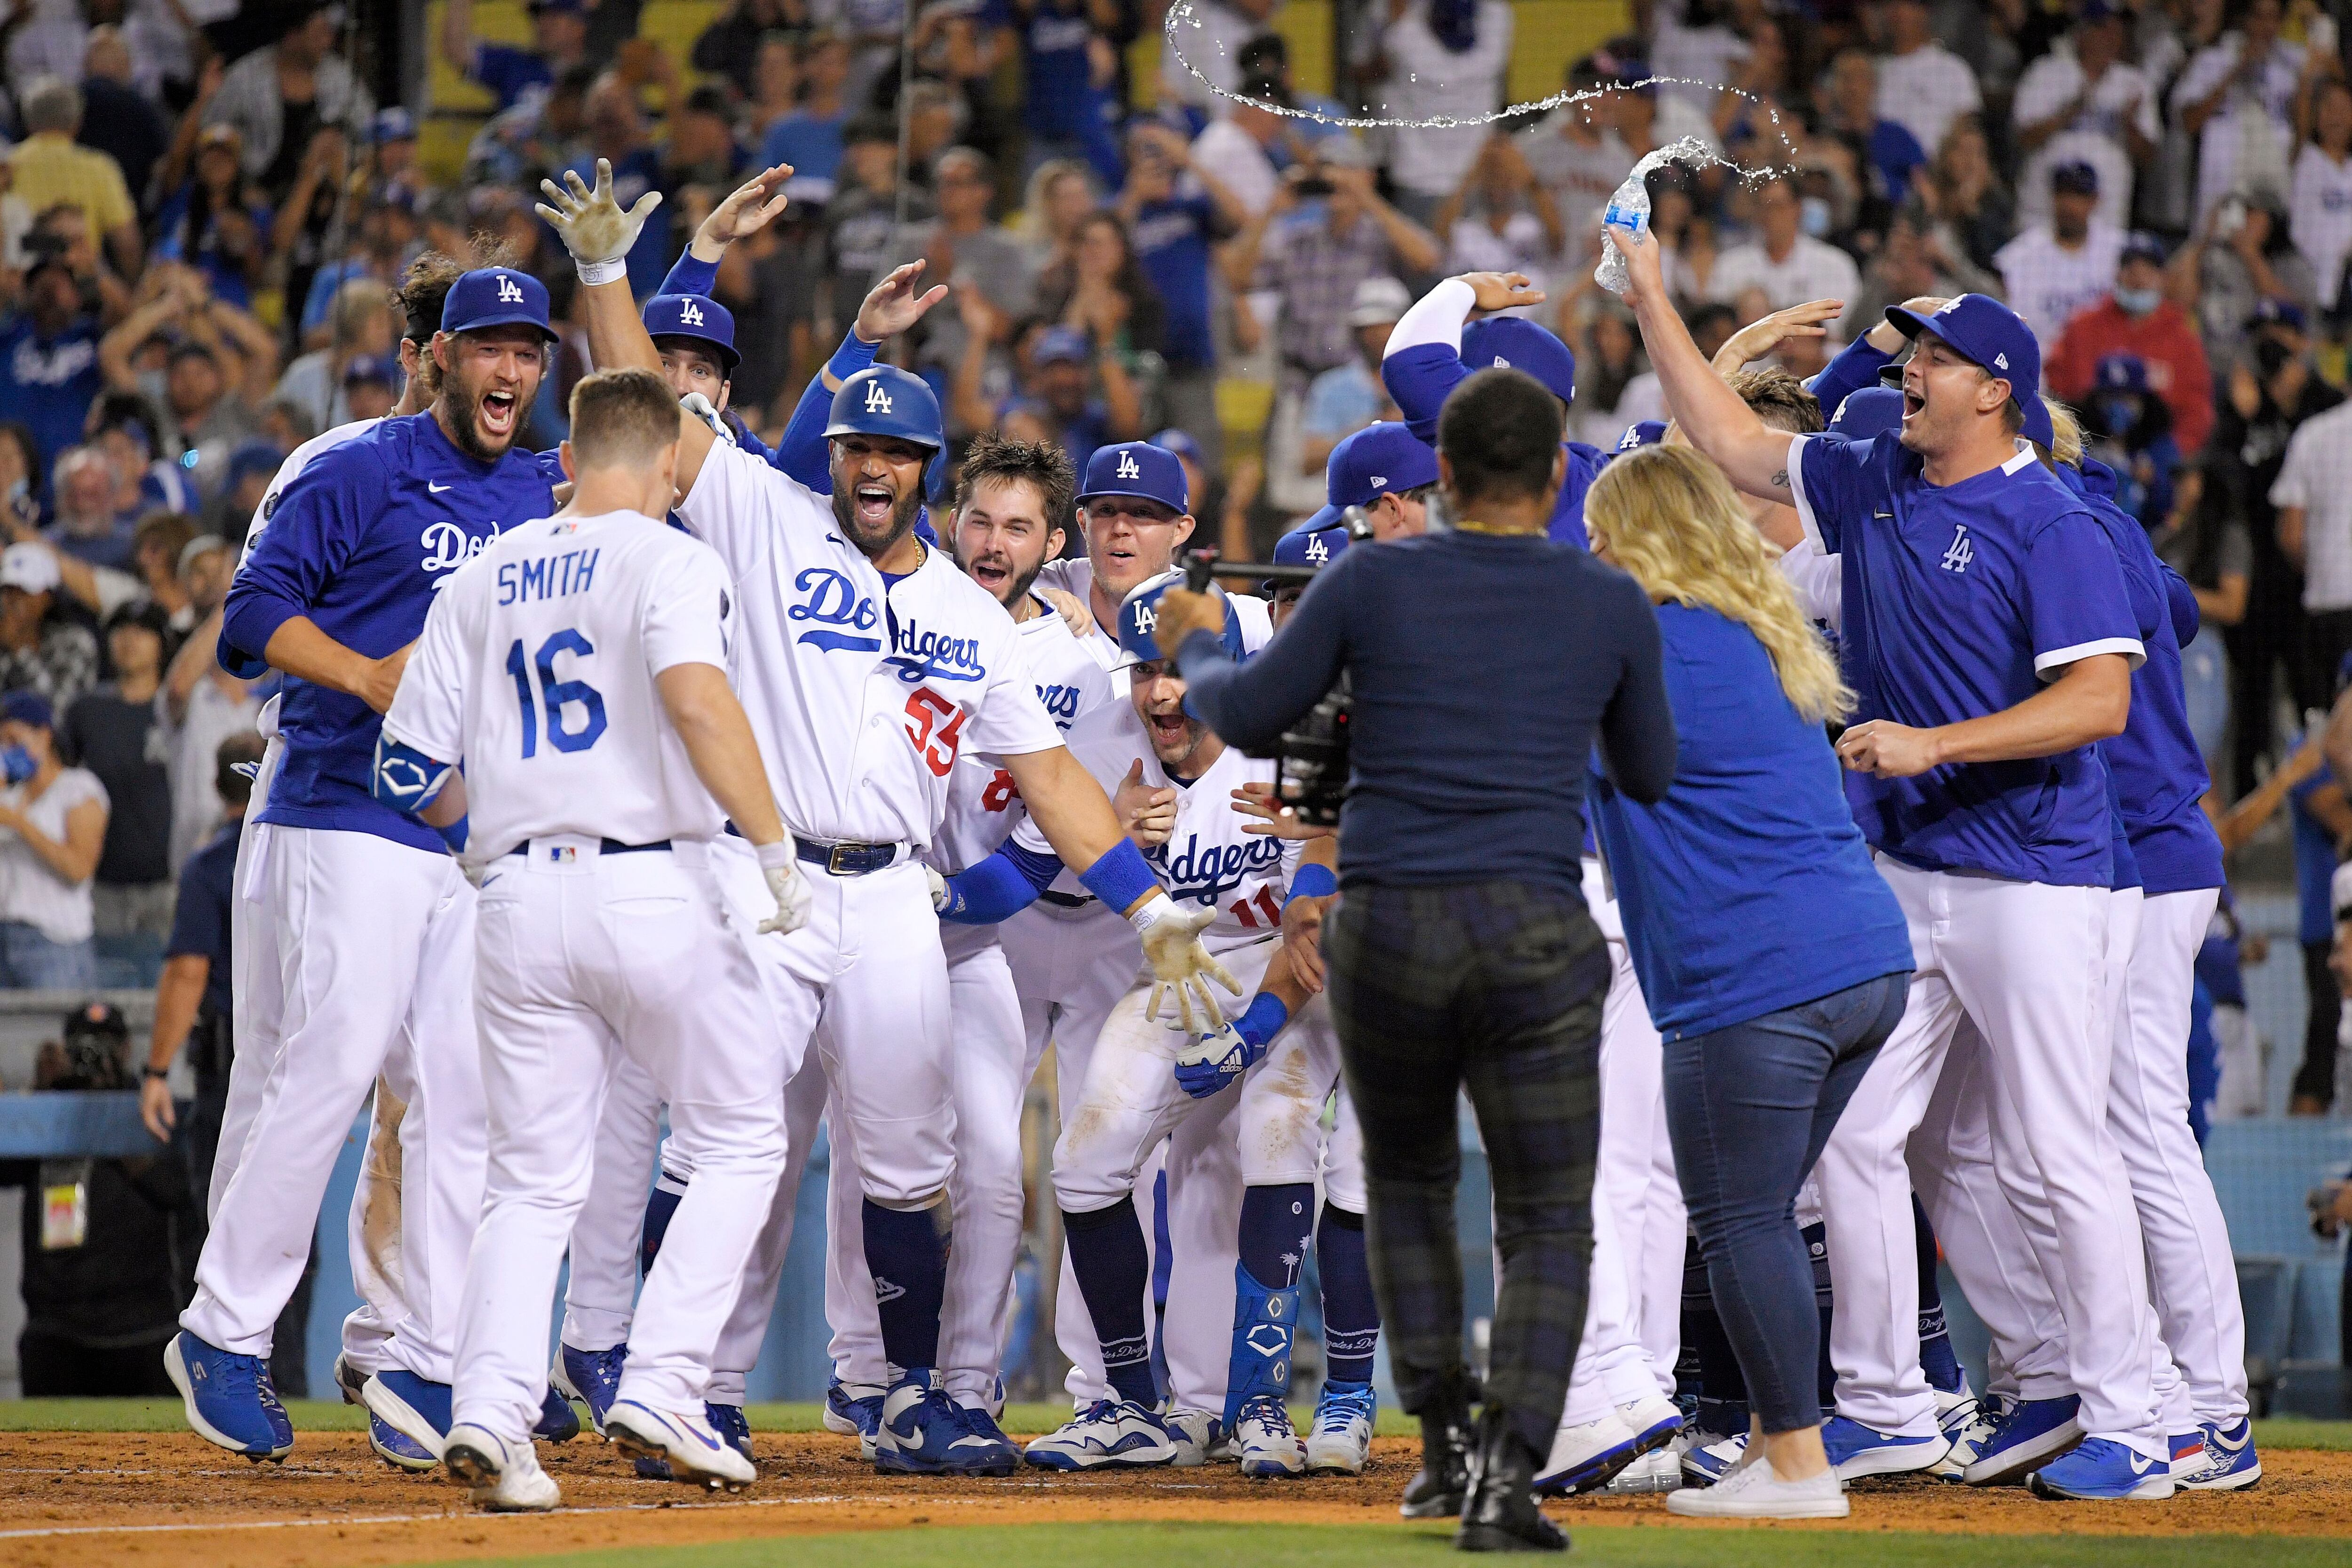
{"x":348,"y":1379}
{"x":696,"y":1455}
{"x":1966,"y":1421}
{"x":1270,"y":1447}
{"x":2228,"y":1464}
{"x":730,"y":1422}
{"x":1108,"y":1433}
{"x":1587,"y":1456}
{"x":1654,"y":1421}
{"x":558,"y":1421}
{"x":592,"y":1378}
{"x":2029,"y":1434}
{"x":396,"y":1447}
{"x":983,"y":1425}
{"x":505,"y":1478}
{"x":2101,"y":1469}
{"x":923,"y":1433}
{"x":854,"y":1410}
{"x":229,"y":1399}
{"x":1200,"y":1437}
{"x":1341,"y":1442}
{"x":1856,"y":1450}
{"x":1709,"y":1458}
{"x":410,"y":1406}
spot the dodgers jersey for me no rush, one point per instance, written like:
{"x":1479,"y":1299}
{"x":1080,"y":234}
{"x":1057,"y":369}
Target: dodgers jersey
{"x":359,"y":543}
{"x":862,"y":692}
{"x":537,"y":670}
{"x":1959,"y":601}
{"x":233,"y":659}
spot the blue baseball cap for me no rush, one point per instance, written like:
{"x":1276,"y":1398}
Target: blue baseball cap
{"x":377,"y":368}
{"x":495,"y":297}
{"x":1139,"y":612}
{"x":1062,"y":343}
{"x":392,"y":123}
{"x":1510,"y":342}
{"x":1642,"y":433}
{"x":1997,"y":339}
{"x":2141,"y":246}
{"x":27,"y":706}
{"x":2120,"y":372}
{"x":698,"y":317}
{"x":1180,"y":442}
{"x":1136,"y":469}
{"x":2278,"y":313}
{"x":1377,"y":461}
{"x":1311,"y":546}
{"x":1868,"y":411}
{"x":2076,"y":175}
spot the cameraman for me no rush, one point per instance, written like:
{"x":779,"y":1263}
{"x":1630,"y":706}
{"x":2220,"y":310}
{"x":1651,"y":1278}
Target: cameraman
{"x":1461,"y":953}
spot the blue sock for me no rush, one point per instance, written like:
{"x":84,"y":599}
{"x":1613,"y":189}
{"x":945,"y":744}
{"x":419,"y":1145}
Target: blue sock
{"x":660,"y":1204}
{"x":1351,"y":1313}
{"x":1263,"y":1020}
{"x":1936,"y":1357}
{"x":1113,"y":1266}
{"x":1825,"y":1304}
{"x":1277,"y":1225}
{"x":908,"y":1257}
{"x":1721,"y":1389}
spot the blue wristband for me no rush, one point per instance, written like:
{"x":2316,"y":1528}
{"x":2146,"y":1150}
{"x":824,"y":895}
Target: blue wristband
{"x":1119,"y":877}
{"x":1262,"y":1022}
{"x":1312,"y":881}
{"x":454,"y":836}
{"x":853,"y":355}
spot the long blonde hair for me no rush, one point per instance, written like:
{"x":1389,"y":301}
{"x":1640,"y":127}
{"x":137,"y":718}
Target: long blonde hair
{"x":1668,"y":516}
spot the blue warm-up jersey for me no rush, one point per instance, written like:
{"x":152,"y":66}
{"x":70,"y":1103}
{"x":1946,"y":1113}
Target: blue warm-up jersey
{"x":359,"y":543}
{"x":1960,"y":601}
{"x":1422,"y":377}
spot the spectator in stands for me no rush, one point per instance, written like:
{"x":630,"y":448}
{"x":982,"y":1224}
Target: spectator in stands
{"x":1762,"y":122}
{"x":48,"y":354}
{"x":109,"y":730}
{"x":775,"y":91}
{"x":861,"y":215}
{"x":2135,"y":318}
{"x":391,"y":173}
{"x":55,"y":822}
{"x":1609,"y":361}
{"x":1500,"y":219}
{"x":702,"y":149}
{"x":1176,"y":211}
{"x":2064,"y":263}
{"x":203,"y":703}
{"x":617,"y":134}
{"x":2321,"y":819}
{"x":1060,"y":191}
{"x":2314,"y":497}
{"x":2130,"y":430}
{"x":117,"y":119}
{"x":1213,"y":44}
{"x":88,"y":527}
{"x":2209,"y":546}
{"x":1638,"y":118}
{"x":2238,"y":98}
{"x":41,"y":651}
{"x":251,"y":466}
{"x":963,"y":247}
{"x":1702,"y":41}
{"x":1244,"y":144}
{"x":811,"y":138}
{"x":1312,"y":252}
{"x":733,"y":45}
{"x":1077,"y":390}
{"x":2319,"y":201}
{"x":1269,"y":54}
{"x":305,"y":225}
{"x":1788,"y":264}
{"x":1100,"y":289}
{"x":1883,"y":150}
{"x":1570,"y":153}
{"x":1922,"y":86}
{"x":361,"y":324}
{"x":280,"y":96}
{"x":1065,"y":61}
{"x":123,"y":427}
{"x":49,"y":168}
{"x":2082,"y":103}
{"x":100,"y":1274}
{"x":1445,"y":57}
{"x":386,"y":232}
{"x":558,"y":39}
{"x":20,"y":477}
{"x":210,"y":376}
{"x":2248,"y":260}
{"x":217,"y":222}
{"x":1347,"y":397}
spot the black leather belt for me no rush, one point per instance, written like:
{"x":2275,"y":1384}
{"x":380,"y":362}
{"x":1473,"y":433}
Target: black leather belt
{"x":605,"y":846}
{"x":844,"y":859}
{"x":1068,"y":900}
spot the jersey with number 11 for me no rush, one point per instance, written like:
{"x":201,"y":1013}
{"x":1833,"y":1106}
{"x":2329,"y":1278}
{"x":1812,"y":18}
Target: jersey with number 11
{"x":537,"y":669}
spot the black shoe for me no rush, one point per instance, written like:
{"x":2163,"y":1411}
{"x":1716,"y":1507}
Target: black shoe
{"x":1500,"y":1512}
{"x":1444,"y":1479}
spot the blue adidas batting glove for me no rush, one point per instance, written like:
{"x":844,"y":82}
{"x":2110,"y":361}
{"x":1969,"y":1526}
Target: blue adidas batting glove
{"x":1213,"y":1060}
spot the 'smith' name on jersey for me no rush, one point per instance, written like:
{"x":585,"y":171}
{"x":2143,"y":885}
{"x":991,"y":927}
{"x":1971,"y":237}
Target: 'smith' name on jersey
{"x":546,"y":576}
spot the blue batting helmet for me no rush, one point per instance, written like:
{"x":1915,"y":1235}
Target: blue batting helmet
{"x":883,"y":400}
{"x":1139,"y":612}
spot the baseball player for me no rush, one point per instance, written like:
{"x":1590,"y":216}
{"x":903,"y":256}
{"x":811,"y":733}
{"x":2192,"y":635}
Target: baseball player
{"x":1978,"y":783}
{"x":869,"y":663}
{"x":577,"y":670}
{"x":332,"y":594}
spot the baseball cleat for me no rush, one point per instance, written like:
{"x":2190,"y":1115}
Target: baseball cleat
{"x":1754,"y":1491}
{"x":1654,"y":1421}
{"x":503,"y":1479}
{"x":730,"y":1422}
{"x":558,"y":1421}
{"x":1709,"y":1458}
{"x":1856,"y":1450}
{"x":348,"y":1379}
{"x":2100,"y":1469}
{"x":1659,"y":1470}
{"x":592,"y":1378}
{"x":228,"y":1398}
{"x":1270,"y":1449}
{"x":1969,"y":1425}
{"x":2228,"y":1462}
{"x":696,"y":1455}
{"x":923,"y":1433}
{"x":1341,"y":1442}
{"x":2030,"y":1433}
{"x":983,"y":1425}
{"x":397,"y":1449}
{"x":411,"y":1406}
{"x":1107,"y":1434}
{"x":1586,"y":1456}
{"x":854,"y":1410}
{"x":1200,"y":1437}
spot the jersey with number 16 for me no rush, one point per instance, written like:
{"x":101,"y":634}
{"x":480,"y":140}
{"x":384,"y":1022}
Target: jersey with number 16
{"x":537,"y":668}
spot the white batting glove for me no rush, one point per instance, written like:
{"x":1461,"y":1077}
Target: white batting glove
{"x":701,"y":407}
{"x":939,"y":887}
{"x":1181,"y":967}
{"x":791,"y":890}
{"x":592,"y":224}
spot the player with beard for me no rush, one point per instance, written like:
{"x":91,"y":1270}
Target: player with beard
{"x":374,"y":921}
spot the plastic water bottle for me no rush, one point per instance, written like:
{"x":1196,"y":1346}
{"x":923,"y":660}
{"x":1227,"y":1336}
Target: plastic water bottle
{"x":1629,"y":210}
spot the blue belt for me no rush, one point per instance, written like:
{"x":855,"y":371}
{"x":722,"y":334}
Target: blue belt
{"x":607,"y":846}
{"x":841,"y":859}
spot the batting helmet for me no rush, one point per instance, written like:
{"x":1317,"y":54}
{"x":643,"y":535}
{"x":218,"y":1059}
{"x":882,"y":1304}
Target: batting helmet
{"x":883,"y":400}
{"x":1139,"y":612}
{"x":1510,"y":343}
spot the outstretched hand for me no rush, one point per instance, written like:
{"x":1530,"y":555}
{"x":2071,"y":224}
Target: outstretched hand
{"x":748,"y":208}
{"x":1502,"y":291}
{"x":892,"y":306}
{"x":1760,"y":337}
{"x":590,"y":224}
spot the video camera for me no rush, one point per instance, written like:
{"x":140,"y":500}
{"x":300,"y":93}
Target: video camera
{"x":1311,"y":758}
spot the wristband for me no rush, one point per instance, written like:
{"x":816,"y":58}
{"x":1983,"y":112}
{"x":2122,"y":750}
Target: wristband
{"x":1312,"y":881}
{"x":591,"y":273}
{"x":777,"y":856}
{"x":150,"y":1070}
{"x":1119,"y":877}
{"x":454,"y":836}
{"x":853,"y":355}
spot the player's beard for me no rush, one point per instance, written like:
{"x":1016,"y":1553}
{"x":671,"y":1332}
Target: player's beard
{"x":870,"y":545}
{"x":465,"y":422}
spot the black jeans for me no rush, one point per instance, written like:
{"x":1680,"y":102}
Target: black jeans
{"x":2317,"y":1075}
{"x":1494,"y":987}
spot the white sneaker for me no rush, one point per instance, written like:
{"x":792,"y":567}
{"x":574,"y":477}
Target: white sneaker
{"x":1199,"y":1439}
{"x":1107,"y":1434}
{"x":1652,"y":1420}
{"x":1342,"y":1442}
{"x":505,"y":1478}
{"x":1659,"y":1470}
{"x":1708,"y":1459}
{"x":1753,"y":1491}
{"x":1584,"y":1457}
{"x":697,"y":1455}
{"x":1269,"y":1448}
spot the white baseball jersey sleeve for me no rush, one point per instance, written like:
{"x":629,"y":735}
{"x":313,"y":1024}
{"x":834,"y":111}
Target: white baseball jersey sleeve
{"x":537,"y":668}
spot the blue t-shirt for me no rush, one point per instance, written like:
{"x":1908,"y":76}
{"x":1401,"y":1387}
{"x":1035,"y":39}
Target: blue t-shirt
{"x":2217,"y":957}
{"x":358,"y":543}
{"x":1747,"y":888}
{"x":175,"y":243}
{"x":810,"y":144}
{"x":2314,"y":858}
{"x":1054,"y":63}
{"x":48,"y":383}
{"x":199,"y":919}
{"x":1894,"y":154}
{"x":1422,"y":377}
{"x":510,"y":72}
{"x":1172,"y":243}
{"x":633,"y":176}
{"x":1960,"y":601}
{"x":110,"y":549}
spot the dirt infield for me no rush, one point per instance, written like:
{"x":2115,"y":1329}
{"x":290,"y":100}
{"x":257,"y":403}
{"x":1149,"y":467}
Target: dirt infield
{"x":168,"y":1501}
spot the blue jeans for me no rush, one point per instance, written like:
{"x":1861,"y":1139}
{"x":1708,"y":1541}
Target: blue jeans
{"x":1747,"y":1110}
{"x":31,"y":961}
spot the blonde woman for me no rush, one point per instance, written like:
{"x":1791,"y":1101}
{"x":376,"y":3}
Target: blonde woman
{"x":1774,"y":959}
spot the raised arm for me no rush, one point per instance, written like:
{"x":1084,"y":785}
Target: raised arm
{"x":1423,"y":363}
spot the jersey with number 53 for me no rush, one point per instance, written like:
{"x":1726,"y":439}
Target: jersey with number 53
{"x":537,"y":669}
{"x":862,"y":692}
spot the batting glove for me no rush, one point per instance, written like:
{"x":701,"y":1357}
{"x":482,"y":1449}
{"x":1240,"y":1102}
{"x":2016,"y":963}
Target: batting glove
{"x":790,"y":889}
{"x":1181,"y":967}
{"x":590,"y":224}
{"x":1213,"y":1060}
{"x":698,"y":405}
{"x":939,"y":888}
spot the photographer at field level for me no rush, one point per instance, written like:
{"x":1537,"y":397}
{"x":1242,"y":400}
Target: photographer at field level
{"x":1461,"y":953}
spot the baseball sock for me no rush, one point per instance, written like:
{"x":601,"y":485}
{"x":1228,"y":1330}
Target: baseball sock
{"x":1276,"y":1223}
{"x":1722,"y":1388}
{"x":1936,"y":1357}
{"x":1351,"y":1314}
{"x":660,"y":1203}
{"x":1107,"y":1255}
{"x":1825,"y":1303}
{"x":1275,"y":1226}
{"x":907,"y":1257}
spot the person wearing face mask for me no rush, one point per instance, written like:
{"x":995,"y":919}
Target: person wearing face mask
{"x":2135,"y":318}
{"x":52,"y":828}
{"x":2131,"y":432}
{"x":1787,"y":263}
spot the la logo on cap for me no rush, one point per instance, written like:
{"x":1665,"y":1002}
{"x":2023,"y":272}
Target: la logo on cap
{"x":1128,"y":467}
{"x":877,"y":398}
{"x":691,"y":315}
{"x":509,"y":292}
{"x":1146,"y":617}
{"x":1318,"y":552}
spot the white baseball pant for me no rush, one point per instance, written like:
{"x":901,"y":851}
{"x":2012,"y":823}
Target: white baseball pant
{"x":583,"y":960}
{"x":599,"y":1295}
